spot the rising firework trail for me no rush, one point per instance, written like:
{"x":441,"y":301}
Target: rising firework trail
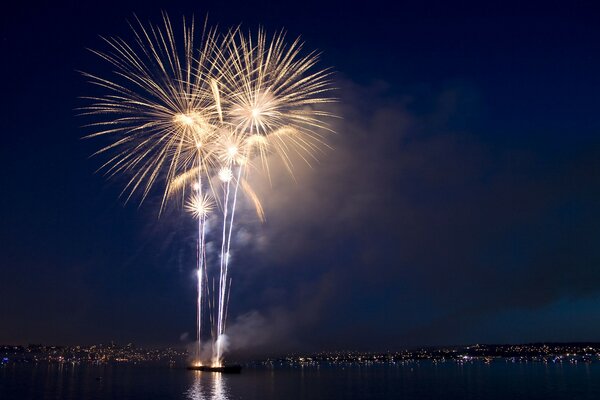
{"x":200,"y":206}
{"x":196,"y":114}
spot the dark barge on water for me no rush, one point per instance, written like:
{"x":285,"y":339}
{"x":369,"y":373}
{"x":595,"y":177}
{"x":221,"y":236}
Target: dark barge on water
{"x":225,"y":369}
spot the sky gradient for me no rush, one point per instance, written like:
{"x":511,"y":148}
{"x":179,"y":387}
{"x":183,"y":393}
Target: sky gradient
{"x":460,"y":202}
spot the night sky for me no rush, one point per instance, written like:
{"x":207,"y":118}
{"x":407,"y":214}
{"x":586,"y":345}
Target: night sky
{"x":460,"y":202}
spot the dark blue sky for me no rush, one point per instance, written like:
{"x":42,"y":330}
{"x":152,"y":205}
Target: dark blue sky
{"x":460,"y":203}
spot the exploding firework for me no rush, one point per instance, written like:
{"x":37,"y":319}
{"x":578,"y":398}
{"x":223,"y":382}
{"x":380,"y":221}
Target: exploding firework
{"x":183,"y":115}
{"x":157,"y":108}
{"x":199,"y":205}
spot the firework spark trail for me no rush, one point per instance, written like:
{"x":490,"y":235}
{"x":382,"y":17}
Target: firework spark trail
{"x":201,"y":267}
{"x":199,"y":205}
{"x":201,"y":255}
{"x":235,"y":193}
{"x":222,"y":276}
{"x":227,"y":302}
{"x":226,"y":256}
{"x":212,"y":320}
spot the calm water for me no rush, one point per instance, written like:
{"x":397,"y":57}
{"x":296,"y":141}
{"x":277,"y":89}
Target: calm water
{"x":498,"y":380}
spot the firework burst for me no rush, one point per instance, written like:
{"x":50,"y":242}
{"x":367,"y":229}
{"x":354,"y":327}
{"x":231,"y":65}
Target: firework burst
{"x":199,"y":205}
{"x":158,"y":109}
{"x":271,"y":91}
{"x":183,"y":115}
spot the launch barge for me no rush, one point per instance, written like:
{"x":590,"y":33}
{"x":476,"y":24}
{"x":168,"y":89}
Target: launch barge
{"x":225,"y":369}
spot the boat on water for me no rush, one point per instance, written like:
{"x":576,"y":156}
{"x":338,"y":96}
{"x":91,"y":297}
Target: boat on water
{"x":225,"y":369}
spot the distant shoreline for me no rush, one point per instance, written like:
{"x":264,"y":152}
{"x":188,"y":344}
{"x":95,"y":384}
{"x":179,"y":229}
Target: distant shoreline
{"x":576,"y":352}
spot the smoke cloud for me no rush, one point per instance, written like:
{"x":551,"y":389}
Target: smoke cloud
{"x":415,"y":228}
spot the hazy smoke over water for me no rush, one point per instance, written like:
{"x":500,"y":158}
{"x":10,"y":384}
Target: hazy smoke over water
{"x":412,"y":206}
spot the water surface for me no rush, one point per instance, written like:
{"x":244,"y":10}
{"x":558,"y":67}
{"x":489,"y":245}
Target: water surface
{"x":424,"y":380}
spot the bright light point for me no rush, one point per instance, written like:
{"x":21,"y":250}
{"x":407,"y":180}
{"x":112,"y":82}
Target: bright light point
{"x":232,"y":151}
{"x":199,"y":206}
{"x":196,"y":186}
{"x":255,"y":112}
{"x":225,"y":174}
{"x":199,"y":274}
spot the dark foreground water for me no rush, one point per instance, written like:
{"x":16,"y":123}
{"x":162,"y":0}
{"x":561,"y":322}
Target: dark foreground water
{"x":498,"y":380}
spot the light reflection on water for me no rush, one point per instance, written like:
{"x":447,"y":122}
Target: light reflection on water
{"x":208,"y":386}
